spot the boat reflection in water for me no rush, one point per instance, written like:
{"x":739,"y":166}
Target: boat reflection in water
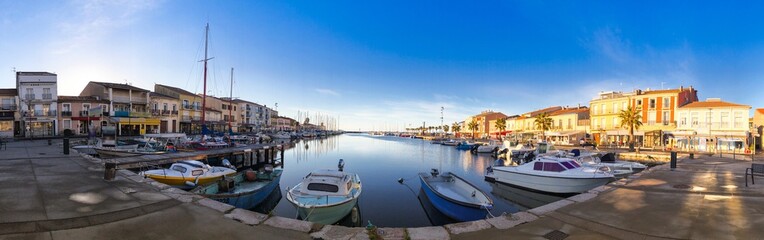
{"x":270,"y":201}
{"x":436,"y":217}
{"x":524,"y":197}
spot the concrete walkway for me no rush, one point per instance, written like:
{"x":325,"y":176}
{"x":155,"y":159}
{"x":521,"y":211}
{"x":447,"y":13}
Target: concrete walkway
{"x":703,"y":198}
{"x":45,"y":194}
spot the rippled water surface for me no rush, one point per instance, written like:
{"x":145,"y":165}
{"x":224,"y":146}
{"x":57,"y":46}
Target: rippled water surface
{"x":380,"y":161}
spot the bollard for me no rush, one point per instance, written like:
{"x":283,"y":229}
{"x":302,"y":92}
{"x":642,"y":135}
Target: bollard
{"x":692,"y":155}
{"x":66,"y":146}
{"x":673,"y":160}
{"x":110,"y":171}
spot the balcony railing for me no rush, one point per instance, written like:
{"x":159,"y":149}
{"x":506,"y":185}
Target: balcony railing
{"x":8,"y":107}
{"x":156,"y":112}
{"x":29,"y":96}
{"x":174,"y":112}
{"x":47,"y":96}
{"x":165,"y":112}
{"x":128,"y":99}
{"x":66,"y":113}
{"x":140,"y":114}
{"x":39,"y":113}
{"x":84,"y":113}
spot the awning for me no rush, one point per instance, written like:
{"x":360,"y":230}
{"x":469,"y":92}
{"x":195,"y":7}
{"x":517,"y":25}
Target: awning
{"x":729,"y":133}
{"x":86,"y":118}
{"x":147,"y":121}
{"x":680,"y":133}
{"x":623,"y":133}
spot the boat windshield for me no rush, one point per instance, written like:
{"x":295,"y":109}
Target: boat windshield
{"x":323,"y":187}
{"x":570,"y":164}
{"x":548,"y":167}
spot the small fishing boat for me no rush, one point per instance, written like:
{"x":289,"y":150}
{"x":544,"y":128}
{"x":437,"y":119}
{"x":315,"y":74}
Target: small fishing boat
{"x":466,"y":145}
{"x":106,"y":152}
{"x":618,"y":168}
{"x":245,"y":190}
{"x":450,"y":142}
{"x":188,"y":174}
{"x":454,"y":196}
{"x":325,"y":196}
{"x":492,"y":146}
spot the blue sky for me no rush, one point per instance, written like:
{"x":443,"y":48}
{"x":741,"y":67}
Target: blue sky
{"x":391,"y":64}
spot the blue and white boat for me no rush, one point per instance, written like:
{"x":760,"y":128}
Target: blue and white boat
{"x":465,"y":145}
{"x":245,"y":190}
{"x":455,"y":197}
{"x":325,"y":196}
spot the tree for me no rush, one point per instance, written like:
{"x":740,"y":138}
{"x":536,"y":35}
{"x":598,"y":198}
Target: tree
{"x":543,"y":122}
{"x":456,"y":127}
{"x":501,"y":124}
{"x":633,"y":120}
{"x":472,"y":126}
{"x":445,"y":128}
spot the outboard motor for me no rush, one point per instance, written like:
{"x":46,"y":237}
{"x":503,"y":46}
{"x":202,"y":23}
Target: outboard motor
{"x":434,"y":172}
{"x":341,"y":165}
{"x":227,"y":164}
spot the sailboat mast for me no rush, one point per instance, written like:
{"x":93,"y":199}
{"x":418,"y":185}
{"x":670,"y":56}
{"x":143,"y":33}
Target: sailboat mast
{"x":230,"y":104}
{"x":204,"y":93}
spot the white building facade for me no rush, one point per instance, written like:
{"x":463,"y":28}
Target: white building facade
{"x":712,"y":126}
{"x":38,"y":96}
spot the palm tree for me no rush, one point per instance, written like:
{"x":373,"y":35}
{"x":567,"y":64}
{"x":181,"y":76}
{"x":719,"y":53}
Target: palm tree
{"x":543,"y":122}
{"x":633,"y":120}
{"x":501,"y":124}
{"x":445,"y":128}
{"x":456,"y":128}
{"x":472,"y":126}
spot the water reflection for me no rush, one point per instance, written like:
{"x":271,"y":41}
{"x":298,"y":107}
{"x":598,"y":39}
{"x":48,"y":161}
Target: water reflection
{"x":270,"y":202}
{"x":526,"y":198}
{"x":380,"y":161}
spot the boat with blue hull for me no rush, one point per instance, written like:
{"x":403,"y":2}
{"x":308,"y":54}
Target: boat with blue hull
{"x":245,"y":190}
{"x":466,"y":145}
{"x":454,"y":196}
{"x":326,"y":196}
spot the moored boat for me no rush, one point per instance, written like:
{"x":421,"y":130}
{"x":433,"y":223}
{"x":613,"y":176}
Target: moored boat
{"x":325,"y":196}
{"x":492,"y":146}
{"x":188,"y":174}
{"x":465,"y":145}
{"x":554,"y":174}
{"x":245,"y":190}
{"x":454,"y":196}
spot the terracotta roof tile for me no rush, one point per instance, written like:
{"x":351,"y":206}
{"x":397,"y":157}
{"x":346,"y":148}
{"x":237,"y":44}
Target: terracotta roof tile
{"x":569,"y":110}
{"x":120,"y":86}
{"x":707,"y":104}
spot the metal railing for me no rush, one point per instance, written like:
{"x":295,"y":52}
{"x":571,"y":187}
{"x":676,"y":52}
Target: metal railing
{"x":11,"y":107}
{"x":29,"y":96}
{"x":66,"y":113}
{"x":84,"y":113}
{"x":47,"y":96}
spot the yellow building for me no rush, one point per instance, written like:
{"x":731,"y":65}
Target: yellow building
{"x":524,"y":128}
{"x":165,"y":108}
{"x":483,"y":120}
{"x":657,"y":108}
{"x":566,"y":129}
{"x":128,"y":107}
{"x":190,"y":111}
{"x":757,"y":125}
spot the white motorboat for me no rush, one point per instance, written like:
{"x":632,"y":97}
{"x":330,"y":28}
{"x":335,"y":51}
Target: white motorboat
{"x":619,"y":168}
{"x":450,"y":142}
{"x":281,"y":135}
{"x":189,"y":173}
{"x":492,"y":146}
{"x":554,"y":174}
{"x":521,"y":149}
{"x":325,"y":196}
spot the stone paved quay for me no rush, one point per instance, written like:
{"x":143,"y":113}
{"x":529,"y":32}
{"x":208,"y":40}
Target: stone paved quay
{"x":45,"y":194}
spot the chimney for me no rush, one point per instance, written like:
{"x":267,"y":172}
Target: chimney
{"x":681,"y":88}
{"x":579,"y":105}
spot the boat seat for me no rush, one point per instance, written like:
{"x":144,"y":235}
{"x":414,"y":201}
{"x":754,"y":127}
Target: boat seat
{"x":756,"y":169}
{"x":576,"y":152}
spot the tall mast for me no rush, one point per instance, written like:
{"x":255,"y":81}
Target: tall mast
{"x":204,"y":94}
{"x":230,"y":104}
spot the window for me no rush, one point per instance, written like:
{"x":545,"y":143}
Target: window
{"x":694,"y":118}
{"x":553,"y":167}
{"x":323,"y":187}
{"x":66,"y":107}
{"x":651,"y":118}
{"x":164,"y":106}
{"x":85,"y":106}
{"x":538,"y":166}
{"x":639,"y":103}
{"x":623,"y":105}
{"x":666,"y":119}
{"x":185,"y":103}
{"x":683,"y":119}
{"x":615,"y":107}
{"x":652,"y":103}
{"x":708,"y":117}
{"x":739,"y":120}
{"x":234,"y":107}
{"x":224,"y":107}
{"x":174,"y":107}
{"x":594,"y":109}
{"x":569,"y":123}
{"x":615,"y":122}
{"x":725,"y":117}
{"x":603,"y":109}
{"x":666,"y":102}
{"x":196,"y":172}
{"x":67,"y":124}
{"x":604,"y":122}
{"x":559,"y":123}
{"x":178,"y":168}
{"x":156,"y":106}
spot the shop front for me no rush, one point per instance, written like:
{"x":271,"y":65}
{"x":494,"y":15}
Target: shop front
{"x":137,"y":126}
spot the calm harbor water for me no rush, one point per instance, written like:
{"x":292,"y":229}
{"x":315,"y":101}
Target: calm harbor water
{"x":380,"y":161}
